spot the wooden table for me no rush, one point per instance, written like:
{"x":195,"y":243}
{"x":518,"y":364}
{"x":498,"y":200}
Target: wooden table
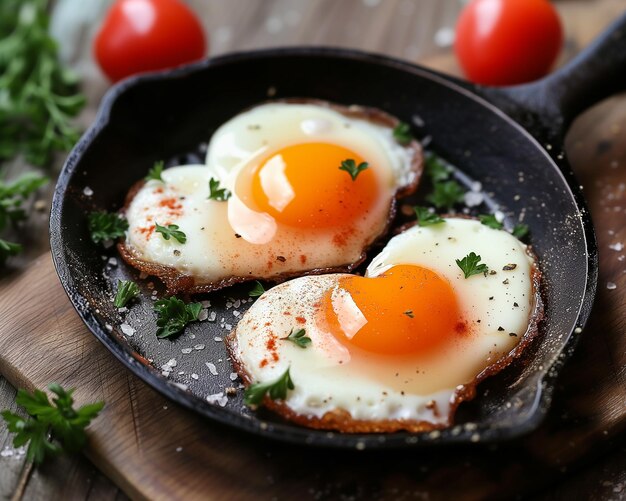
{"x":417,"y":30}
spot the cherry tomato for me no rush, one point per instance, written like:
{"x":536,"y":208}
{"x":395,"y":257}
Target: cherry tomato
{"x":506,"y":42}
{"x":147,"y":35}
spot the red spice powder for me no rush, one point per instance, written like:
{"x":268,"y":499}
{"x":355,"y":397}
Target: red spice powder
{"x":301,"y":319}
{"x":302,"y":258}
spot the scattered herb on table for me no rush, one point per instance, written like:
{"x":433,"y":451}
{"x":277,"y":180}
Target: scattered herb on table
{"x":520,"y":230}
{"x":276,"y":390}
{"x":257,"y":290}
{"x":426,"y":217}
{"x":126,"y":290}
{"x":154,"y":174}
{"x":13,"y":195}
{"x":106,"y":226}
{"x":402,"y":133}
{"x":490,"y":221}
{"x":38,"y":98}
{"x":171,"y":231}
{"x":436,"y":170}
{"x":471,"y":265}
{"x":352,"y":168}
{"x":446,"y":194}
{"x":52,"y":427}
{"x":298,"y":337}
{"x":174,"y":315}
{"x":216,"y":192}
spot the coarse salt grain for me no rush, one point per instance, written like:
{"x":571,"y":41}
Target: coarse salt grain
{"x":611,"y":286}
{"x":218,"y":398}
{"x":218,"y":339}
{"x":206,"y":303}
{"x":127,"y":329}
{"x":233,"y":376}
{"x":212,"y":368}
{"x":198,"y":347}
{"x":108,"y":327}
{"x":203,"y":315}
{"x":185,"y":350}
{"x":87,"y":191}
{"x":194,"y":376}
{"x":212,"y":316}
{"x":619,"y":246}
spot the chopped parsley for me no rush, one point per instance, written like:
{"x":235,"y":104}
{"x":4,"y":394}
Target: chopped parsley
{"x":352,"y":168}
{"x":471,"y":265}
{"x":298,"y":337}
{"x":402,"y":133}
{"x":171,"y":231}
{"x":490,"y":221}
{"x":155,"y":172}
{"x":126,"y":290}
{"x":174,"y":315}
{"x":257,"y":290}
{"x":216,"y":192}
{"x":276,"y":390}
{"x":520,"y":231}
{"x":106,"y":226}
{"x":436,"y":170}
{"x":427,"y":218}
{"x":51,"y":428}
{"x":446,"y":194}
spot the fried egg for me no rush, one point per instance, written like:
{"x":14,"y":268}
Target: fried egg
{"x":291,"y":209}
{"x":401,"y":347}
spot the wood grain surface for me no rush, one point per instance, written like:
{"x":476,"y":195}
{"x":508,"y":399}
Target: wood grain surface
{"x":154,"y":450}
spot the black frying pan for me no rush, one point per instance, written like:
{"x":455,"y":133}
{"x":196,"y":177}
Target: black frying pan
{"x":511,"y":140}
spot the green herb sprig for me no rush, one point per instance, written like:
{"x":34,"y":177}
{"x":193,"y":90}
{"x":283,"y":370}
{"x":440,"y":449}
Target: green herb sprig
{"x":126,"y":290}
{"x":520,"y":230}
{"x":446,"y":194}
{"x":298,"y":337}
{"x":352,"y":168}
{"x":471,"y":265}
{"x":277,"y":390}
{"x":402,"y":133}
{"x":13,"y":196}
{"x":171,"y":231}
{"x":38,"y":98}
{"x":216,"y":192}
{"x":427,"y":218}
{"x":53,"y":427}
{"x":436,"y":169}
{"x":154,"y":174}
{"x":173,"y":315}
{"x":257,"y":290}
{"x":490,"y":221}
{"x":106,"y":226}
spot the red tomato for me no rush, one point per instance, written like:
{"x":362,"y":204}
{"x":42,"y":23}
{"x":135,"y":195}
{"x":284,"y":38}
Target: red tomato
{"x":147,"y":35}
{"x":506,"y":42}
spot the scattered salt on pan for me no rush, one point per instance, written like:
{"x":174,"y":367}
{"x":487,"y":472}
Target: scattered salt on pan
{"x":228,"y":327}
{"x":179,"y":448}
{"x":108,"y":327}
{"x":185,"y":350}
{"x":611,"y":286}
{"x":237,"y":303}
{"x":172,"y":362}
{"x":112,"y":261}
{"x":87,"y":191}
{"x":194,"y":376}
{"x":206,"y":303}
{"x":181,"y":386}
{"x":198,"y":347}
{"x":212,"y":368}
{"x":127,"y":329}
{"x":203,"y":315}
{"x":233,"y":376}
{"x":123,"y":309}
{"x":472,"y":198}
{"x":236,"y":313}
{"x":165,"y":373}
{"x":218,"y":339}
{"x":181,"y":373}
{"x":619,"y":246}
{"x":212,"y":316}
{"x":499,"y":216}
{"x":218,"y":398}
{"x":229,"y":305}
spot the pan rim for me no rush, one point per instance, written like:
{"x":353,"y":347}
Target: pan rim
{"x":288,"y":432}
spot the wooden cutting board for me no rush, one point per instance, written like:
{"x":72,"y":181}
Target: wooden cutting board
{"x":155,"y":450}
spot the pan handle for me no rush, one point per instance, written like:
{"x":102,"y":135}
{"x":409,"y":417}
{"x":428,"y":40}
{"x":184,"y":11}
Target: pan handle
{"x":548,"y":106}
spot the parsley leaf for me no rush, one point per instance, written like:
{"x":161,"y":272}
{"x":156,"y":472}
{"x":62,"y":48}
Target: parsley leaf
{"x":217,"y":193}
{"x":257,"y":290}
{"x":277,"y":390}
{"x":172,"y":230}
{"x":174,"y":315}
{"x":402,"y":133}
{"x":126,"y":290}
{"x":8,"y":249}
{"x":106,"y":226}
{"x":298,"y":338}
{"x":435,"y":168}
{"x":490,"y":221}
{"x":427,"y":218}
{"x":52,"y":428}
{"x":352,"y":168}
{"x":520,"y":230}
{"x":470,"y":265}
{"x":446,"y":194}
{"x":39,"y":95}
{"x":155,"y":172}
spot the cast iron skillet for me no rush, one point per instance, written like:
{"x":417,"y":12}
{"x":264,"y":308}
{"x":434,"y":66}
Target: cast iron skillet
{"x":511,"y":140}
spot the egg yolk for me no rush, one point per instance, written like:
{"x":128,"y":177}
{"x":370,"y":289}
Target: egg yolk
{"x":408,"y":309}
{"x":302,"y":185}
